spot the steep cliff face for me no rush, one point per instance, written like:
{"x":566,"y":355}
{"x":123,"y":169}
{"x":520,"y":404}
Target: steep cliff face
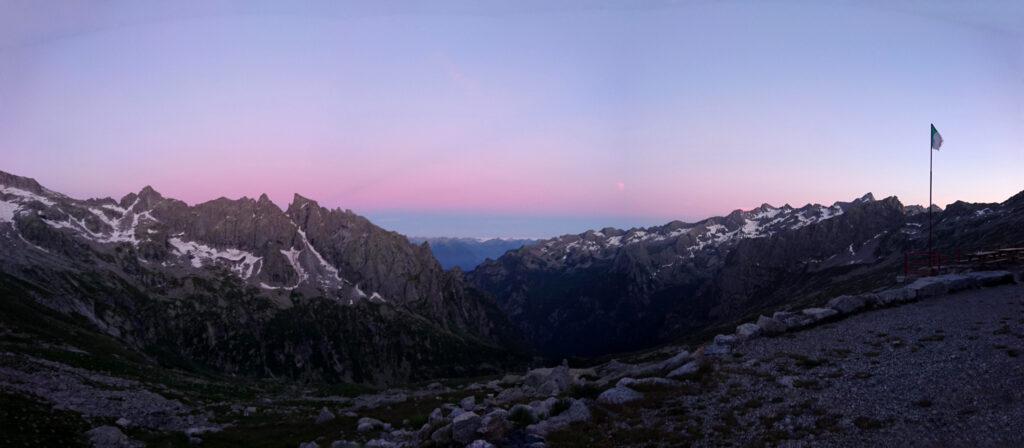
{"x":242,"y":286}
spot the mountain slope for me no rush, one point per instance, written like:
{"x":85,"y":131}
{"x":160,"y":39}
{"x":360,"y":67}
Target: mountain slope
{"x":620,"y":290}
{"x":241,"y":286}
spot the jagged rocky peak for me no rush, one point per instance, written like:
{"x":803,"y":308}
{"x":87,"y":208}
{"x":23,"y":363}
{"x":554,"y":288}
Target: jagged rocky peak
{"x":23,"y":183}
{"x":145,"y":199}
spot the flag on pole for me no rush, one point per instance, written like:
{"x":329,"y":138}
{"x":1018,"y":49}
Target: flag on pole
{"x":936,"y":139}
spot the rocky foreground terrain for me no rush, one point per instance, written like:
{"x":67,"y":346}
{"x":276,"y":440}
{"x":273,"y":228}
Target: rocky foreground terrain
{"x":933,"y":363}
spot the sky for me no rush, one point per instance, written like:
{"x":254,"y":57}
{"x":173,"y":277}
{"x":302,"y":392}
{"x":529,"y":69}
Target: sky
{"x":516,"y":119}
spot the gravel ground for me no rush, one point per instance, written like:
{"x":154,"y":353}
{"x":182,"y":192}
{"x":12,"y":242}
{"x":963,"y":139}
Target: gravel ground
{"x":943,"y":372}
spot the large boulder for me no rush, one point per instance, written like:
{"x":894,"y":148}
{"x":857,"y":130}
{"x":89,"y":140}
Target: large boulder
{"x":510,"y":395}
{"x":957,"y":282}
{"x":619,"y":395}
{"x":748,"y":330}
{"x":325,"y":416}
{"x":436,"y":418}
{"x":895,"y":296}
{"x":109,"y":437}
{"x":991,"y":278}
{"x":464,"y":427}
{"x":548,"y":381}
{"x":685,"y":370}
{"x":819,"y":314}
{"x":928,"y":287}
{"x":771,"y":326}
{"x":793,"y":321}
{"x":577,"y":412}
{"x":726,"y":339}
{"x":495,"y":425}
{"x":716,"y":349}
{"x":442,"y":436}
{"x":367,"y":424}
{"x":847,"y":304}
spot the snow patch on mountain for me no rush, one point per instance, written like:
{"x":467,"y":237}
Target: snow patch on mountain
{"x":323,"y":263}
{"x":8,"y":210}
{"x":26,"y":196}
{"x":242,"y":263}
{"x":292,"y":255}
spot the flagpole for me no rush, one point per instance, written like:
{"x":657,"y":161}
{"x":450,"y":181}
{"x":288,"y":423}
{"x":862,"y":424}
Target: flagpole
{"x":931,"y":255}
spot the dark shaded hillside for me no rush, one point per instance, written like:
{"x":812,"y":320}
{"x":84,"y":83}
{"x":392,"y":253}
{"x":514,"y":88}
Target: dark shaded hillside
{"x":614,"y":290}
{"x":242,"y":287}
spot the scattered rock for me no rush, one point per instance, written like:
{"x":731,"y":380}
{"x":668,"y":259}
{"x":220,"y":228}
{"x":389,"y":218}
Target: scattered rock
{"x":468,"y":403}
{"x":436,"y":418}
{"x":367,"y":424}
{"x":894,"y":296}
{"x":309,"y":445}
{"x":619,"y":395}
{"x":771,"y":326}
{"x":510,"y":395}
{"x":726,"y":339}
{"x":577,"y":412}
{"x":819,"y":314}
{"x":123,"y":422}
{"x":479,"y":443}
{"x":510,"y":379}
{"x":442,"y":436}
{"x":675,"y":361}
{"x":847,"y":304}
{"x":464,"y":427}
{"x":687,"y":369}
{"x":793,"y":321}
{"x":109,"y":437}
{"x":249,"y":411}
{"x":717,"y":350}
{"x":548,"y":381}
{"x":325,"y":416}
{"x":787,"y":381}
{"x":495,"y":425}
{"x":653,"y":381}
{"x":748,"y":330}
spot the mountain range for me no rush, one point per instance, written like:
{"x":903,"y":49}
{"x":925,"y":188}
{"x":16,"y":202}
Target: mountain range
{"x":243,"y":287}
{"x":613,"y":290}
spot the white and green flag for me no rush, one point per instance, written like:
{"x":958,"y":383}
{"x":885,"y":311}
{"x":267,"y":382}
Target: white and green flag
{"x":936,"y":139}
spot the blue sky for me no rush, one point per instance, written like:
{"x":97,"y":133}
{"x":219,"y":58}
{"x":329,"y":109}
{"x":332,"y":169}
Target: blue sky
{"x":515,"y":118}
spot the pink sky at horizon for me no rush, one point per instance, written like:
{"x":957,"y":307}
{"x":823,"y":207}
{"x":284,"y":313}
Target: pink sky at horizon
{"x":455,"y":120}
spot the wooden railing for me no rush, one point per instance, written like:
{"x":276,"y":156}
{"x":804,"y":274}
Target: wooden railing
{"x":924,"y":263}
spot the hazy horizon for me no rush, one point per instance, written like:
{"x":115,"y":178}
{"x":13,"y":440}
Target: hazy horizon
{"x":516,"y":119}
